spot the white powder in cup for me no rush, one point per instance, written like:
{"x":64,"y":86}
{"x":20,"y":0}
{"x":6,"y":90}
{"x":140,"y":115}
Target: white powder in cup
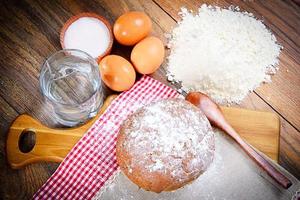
{"x":87,"y":34}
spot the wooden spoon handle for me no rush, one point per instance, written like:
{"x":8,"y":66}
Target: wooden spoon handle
{"x":49,"y":144}
{"x":259,"y":159}
{"x":214,"y":114}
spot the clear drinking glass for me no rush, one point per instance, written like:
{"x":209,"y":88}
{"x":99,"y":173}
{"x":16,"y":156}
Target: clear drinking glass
{"x":70,"y":81}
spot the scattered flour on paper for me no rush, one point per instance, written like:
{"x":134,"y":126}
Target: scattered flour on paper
{"x":224,"y":53}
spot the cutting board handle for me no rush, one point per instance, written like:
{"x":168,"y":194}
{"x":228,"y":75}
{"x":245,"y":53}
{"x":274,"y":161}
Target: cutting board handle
{"x":47,"y":144}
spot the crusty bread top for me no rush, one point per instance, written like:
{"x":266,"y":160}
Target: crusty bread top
{"x":164,"y":145}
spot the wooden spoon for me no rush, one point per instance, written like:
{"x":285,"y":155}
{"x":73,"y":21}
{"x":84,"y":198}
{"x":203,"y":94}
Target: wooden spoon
{"x":216,"y":118}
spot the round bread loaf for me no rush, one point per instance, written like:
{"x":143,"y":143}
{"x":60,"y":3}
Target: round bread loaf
{"x":165,"y":145}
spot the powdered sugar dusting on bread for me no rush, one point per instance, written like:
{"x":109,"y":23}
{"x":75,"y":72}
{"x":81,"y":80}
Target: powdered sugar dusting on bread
{"x":170,"y":137}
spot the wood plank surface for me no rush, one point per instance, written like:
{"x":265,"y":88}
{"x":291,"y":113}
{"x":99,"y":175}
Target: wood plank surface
{"x":29,"y":32}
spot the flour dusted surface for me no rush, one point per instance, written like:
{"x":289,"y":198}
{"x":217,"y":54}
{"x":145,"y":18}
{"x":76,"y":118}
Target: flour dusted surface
{"x":165,"y":145}
{"x":224,"y":53}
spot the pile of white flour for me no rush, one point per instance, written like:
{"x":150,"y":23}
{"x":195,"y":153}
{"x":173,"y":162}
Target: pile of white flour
{"x":224,"y":53}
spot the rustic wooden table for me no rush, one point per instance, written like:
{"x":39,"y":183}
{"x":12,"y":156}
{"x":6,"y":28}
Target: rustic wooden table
{"x":29,"y":32}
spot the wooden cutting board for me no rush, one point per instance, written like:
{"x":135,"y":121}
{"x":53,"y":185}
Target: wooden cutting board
{"x":260,"y":129}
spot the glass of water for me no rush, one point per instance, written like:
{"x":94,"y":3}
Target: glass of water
{"x":70,"y":81}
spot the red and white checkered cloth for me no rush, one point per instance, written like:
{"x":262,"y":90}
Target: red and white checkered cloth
{"x":92,"y":161}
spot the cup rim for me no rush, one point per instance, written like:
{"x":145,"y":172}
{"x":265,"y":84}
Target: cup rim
{"x":70,"y":50}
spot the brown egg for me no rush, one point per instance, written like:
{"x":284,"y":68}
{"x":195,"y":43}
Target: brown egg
{"x":148,"y":55}
{"x":132,"y":27}
{"x":117,"y":73}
